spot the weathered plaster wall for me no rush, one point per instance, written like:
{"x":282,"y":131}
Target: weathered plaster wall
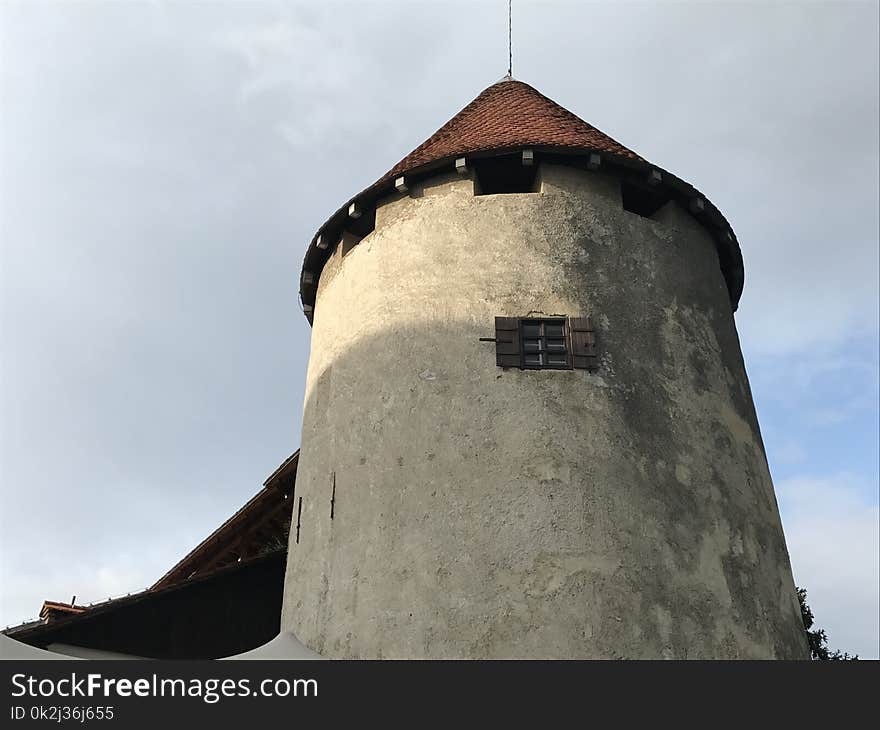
{"x":489,"y":513}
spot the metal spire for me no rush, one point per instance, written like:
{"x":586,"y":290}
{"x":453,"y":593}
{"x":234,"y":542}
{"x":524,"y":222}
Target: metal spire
{"x":509,"y":39}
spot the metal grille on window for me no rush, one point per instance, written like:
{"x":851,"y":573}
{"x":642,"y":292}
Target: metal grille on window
{"x":543,"y":344}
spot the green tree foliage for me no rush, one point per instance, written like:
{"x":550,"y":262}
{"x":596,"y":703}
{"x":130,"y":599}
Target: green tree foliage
{"x":816,"y":638}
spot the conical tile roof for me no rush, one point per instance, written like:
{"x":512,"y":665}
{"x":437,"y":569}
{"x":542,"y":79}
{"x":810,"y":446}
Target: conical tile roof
{"x":509,"y":114}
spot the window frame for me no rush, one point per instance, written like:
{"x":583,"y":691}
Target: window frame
{"x":579,"y":337}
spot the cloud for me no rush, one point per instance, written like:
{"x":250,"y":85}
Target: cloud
{"x":832,"y":528}
{"x":830,"y":386}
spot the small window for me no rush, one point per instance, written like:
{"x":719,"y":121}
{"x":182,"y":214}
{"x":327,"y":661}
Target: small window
{"x":496,"y":175}
{"x":557,"y":343}
{"x":642,"y":199}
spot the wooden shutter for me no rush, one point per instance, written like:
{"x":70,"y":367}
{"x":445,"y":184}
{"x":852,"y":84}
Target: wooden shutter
{"x":507,"y":349}
{"x":583,"y":343}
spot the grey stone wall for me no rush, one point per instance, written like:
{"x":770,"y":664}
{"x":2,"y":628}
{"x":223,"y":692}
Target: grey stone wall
{"x":481,"y":512}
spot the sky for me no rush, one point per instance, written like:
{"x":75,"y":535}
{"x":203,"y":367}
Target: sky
{"x":163,"y":167}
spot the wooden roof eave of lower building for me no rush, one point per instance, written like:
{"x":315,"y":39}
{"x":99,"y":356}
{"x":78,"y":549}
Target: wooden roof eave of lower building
{"x":37,"y":633}
{"x":264,"y":505}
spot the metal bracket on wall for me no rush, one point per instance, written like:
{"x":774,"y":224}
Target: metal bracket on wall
{"x":333,"y":496}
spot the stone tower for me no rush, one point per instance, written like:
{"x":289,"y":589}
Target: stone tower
{"x":528,"y":430}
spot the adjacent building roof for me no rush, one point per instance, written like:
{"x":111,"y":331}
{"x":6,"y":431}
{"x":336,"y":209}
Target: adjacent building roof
{"x":54,"y":609}
{"x":220,"y":613}
{"x":260,"y":526}
{"x":505,"y":117}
